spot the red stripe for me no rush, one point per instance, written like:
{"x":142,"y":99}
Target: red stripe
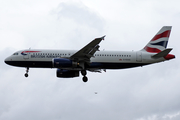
{"x":169,"y":56}
{"x":164,"y":34}
{"x":30,"y":51}
{"x":152,"y":50}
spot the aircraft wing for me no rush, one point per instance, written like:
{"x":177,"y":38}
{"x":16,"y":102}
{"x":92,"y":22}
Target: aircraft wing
{"x":84,"y":54}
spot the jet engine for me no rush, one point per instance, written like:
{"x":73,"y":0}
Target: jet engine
{"x":67,"y":73}
{"x":63,"y":63}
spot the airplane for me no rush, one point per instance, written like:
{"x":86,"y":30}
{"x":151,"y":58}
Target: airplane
{"x":69,"y":63}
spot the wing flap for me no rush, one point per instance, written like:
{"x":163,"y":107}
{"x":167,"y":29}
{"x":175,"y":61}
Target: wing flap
{"x":88,"y":51}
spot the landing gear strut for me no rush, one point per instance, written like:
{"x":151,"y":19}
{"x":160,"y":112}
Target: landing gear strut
{"x":27,"y":70}
{"x":83,"y":72}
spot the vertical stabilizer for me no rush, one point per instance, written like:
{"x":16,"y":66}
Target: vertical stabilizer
{"x":159,"y":42}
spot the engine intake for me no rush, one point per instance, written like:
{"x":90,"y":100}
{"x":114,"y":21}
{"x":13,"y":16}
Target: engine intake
{"x":67,"y":73}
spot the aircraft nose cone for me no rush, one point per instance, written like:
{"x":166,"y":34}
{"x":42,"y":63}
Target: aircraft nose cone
{"x":7,"y":61}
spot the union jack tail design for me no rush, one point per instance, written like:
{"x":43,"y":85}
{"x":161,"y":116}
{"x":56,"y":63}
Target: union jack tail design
{"x":159,"y":42}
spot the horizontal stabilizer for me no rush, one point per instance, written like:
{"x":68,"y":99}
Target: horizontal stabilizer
{"x":162,"y":53}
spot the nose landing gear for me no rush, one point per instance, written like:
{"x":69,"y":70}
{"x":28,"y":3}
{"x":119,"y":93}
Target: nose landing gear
{"x":27,"y":70}
{"x":83,"y":72}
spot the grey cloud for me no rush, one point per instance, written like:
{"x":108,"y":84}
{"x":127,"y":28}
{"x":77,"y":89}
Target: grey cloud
{"x":81,"y":14}
{"x":77,"y":23}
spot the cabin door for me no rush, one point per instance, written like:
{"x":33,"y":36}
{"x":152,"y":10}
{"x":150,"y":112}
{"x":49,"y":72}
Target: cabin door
{"x":139,"y":56}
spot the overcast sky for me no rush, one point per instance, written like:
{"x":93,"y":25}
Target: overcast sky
{"x":144,"y":93}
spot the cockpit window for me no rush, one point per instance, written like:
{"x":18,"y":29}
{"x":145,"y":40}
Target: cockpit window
{"x":15,"y":54}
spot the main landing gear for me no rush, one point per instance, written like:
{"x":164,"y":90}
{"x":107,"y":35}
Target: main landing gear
{"x":83,"y":72}
{"x":26,"y":74}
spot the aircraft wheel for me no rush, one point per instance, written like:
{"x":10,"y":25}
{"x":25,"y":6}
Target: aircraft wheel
{"x":26,"y":75}
{"x":85,"y":79}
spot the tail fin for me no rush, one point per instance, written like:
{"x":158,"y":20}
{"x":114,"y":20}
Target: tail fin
{"x":159,"y":42}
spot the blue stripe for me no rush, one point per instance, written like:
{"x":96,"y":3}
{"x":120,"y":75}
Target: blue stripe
{"x":98,"y":65}
{"x":115,"y":65}
{"x":162,"y":43}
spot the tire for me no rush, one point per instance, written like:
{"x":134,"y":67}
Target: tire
{"x":85,"y":79}
{"x":26,"y":75}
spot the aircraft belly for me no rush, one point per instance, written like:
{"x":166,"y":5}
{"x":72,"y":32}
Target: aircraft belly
{"x":35,"y":64}
{"x":106,"y":65}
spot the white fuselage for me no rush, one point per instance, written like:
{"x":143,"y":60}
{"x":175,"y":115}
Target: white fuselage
{"x":100,"y":60}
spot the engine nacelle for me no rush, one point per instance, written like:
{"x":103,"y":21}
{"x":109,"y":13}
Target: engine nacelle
{"x":67,"y":73}
{"x":63,"y":63}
